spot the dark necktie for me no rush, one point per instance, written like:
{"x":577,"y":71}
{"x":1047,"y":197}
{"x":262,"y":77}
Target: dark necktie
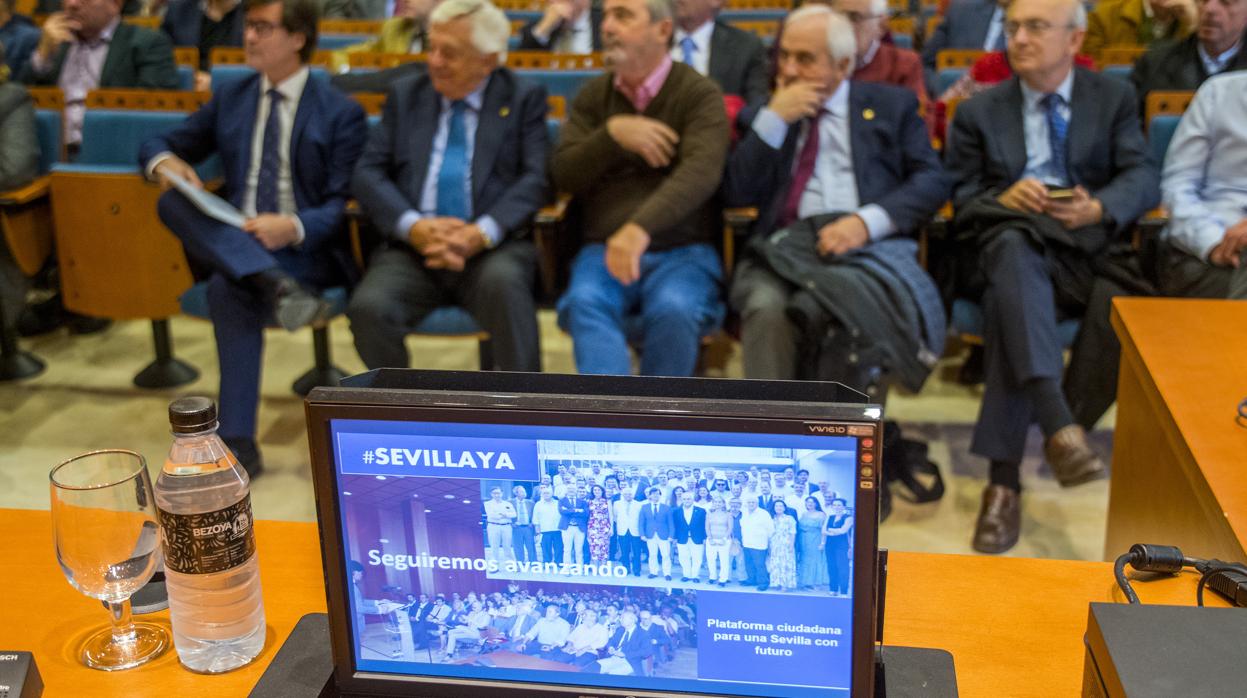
{"x":452,"y":183}
{"x":805,"y":170}
{"x":270,"y":157}
{"x":1058,"y":133}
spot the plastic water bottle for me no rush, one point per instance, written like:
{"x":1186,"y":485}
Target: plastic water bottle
{"x":203,"y":499}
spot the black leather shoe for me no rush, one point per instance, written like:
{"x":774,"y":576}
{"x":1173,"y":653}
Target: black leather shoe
{"x":82,"y":324}
{"x":248,"y":455}
{"x":41,"y":318}
{"x":1000,"y":520}
{"x":294,"y":308}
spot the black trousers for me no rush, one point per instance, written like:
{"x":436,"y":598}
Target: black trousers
{"x":496,"y":288}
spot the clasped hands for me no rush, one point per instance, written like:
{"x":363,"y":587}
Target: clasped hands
{"x":1229,"y":252}
{"x":446,"y":242}
{"x":272,"y":230}
{"x":1031,"y":196}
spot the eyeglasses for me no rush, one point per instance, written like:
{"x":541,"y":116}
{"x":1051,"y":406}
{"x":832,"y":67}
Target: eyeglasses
{"x":1033,"y":26}
{"x":261,"y":29}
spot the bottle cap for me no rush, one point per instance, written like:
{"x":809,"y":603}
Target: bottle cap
{"x":189,"y":415}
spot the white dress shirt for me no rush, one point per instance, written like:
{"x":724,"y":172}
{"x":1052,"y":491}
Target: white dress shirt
{"x":428,"y":194}
{"x":1035,"y":130}
{"x":628,"y":518}
{"x":1216,"y":64}
{"x":552,"y":632}
{"x":1202,"y":184}
{"x":756,"y":529}
{"x":499,"y":512}
{"x":832,"y":186}
{"x":546,"y":515}
{"x":578,"y":38}
{"x":701,"y":50}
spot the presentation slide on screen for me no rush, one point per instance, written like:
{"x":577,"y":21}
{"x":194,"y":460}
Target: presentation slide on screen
{"x":651,"y":560}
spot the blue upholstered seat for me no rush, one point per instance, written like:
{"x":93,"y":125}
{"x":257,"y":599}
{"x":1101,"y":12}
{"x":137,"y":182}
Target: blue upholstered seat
{"x":561,"y":82}
{"x":967,"y":319}
{"x":1121,"y":72}
{"x":194,"y":301}
{"x":947,"y":77}
{"x":48,"y":131}
{"x":186,"y":77}
{"x":1159,"y":133}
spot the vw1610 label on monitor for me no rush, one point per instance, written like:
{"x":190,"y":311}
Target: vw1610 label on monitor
{"x":437,"y":456}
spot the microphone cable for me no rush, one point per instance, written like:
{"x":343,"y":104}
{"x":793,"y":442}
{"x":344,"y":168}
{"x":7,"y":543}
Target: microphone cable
{"x":1229,"y":579}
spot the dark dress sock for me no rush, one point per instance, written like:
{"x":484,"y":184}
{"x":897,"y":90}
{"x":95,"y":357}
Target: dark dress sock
{"x":1049,"y":403}
{"x":1006,"y":473}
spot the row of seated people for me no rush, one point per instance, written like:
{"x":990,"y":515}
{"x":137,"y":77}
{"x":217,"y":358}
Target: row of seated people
{"x":644,"y":153}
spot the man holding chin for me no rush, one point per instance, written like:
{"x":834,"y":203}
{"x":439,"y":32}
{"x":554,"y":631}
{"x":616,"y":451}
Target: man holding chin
{"x":642,"y":155}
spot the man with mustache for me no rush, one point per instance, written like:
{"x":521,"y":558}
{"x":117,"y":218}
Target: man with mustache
{"x":642,"y":155}
{"x":1215,"y":47}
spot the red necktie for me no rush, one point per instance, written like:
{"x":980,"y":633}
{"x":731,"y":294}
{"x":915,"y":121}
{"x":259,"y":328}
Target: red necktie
{"x":805,"y":169}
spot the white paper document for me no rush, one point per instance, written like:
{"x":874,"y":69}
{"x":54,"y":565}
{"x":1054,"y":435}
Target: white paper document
{"x":204,"y":200}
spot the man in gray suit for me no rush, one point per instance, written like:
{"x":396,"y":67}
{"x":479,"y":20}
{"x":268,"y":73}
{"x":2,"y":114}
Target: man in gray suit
{"x":1050,"y":167}
{"x":656,"y":527}
{"x":732,"y":57}
{"x":968,"y":24}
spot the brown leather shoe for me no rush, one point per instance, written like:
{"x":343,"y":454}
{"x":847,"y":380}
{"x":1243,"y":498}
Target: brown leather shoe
{"x":1000,"y":520}
{"x":1071,"y":457}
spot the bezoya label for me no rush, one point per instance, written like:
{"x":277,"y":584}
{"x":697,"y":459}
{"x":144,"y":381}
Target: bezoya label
{"x":210,"y":542}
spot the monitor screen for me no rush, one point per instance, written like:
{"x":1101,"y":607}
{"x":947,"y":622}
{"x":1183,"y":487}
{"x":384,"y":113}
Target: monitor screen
{"x":649,"y":560}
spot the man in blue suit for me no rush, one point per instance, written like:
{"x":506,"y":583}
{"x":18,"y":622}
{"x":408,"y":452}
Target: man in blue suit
{"x":287,"y":142}
{"x":845,"y":171}
{"x":1050,"y":167}
{"x":627,"y":649}
{"x":452,"y":178}
{"x":968,"y":24}
{"x":689,"y":527}
{"x":656,"y":528}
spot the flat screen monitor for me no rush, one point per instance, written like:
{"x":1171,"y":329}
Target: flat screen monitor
{"x":546,"y":535}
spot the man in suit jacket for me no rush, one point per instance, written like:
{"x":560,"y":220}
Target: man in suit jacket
{"x":1184,"y":65}
{"x":574,"y":523}
{"x":877,"y":61}
{"x":88,"y":46}
{"x":734,"y":58}
{"x":689,"y":528}
{"x":566,"y":26}
{"x":1061,"y":127}
{"x":18,"y":35}
{"x":204,"y":25}
{"x":1138,"y":23}
{"x":287,"y":142}
{"x":452,"y":176}
{"x":626,"y":513}
{"x":656,"y":527}
{"x":968,"y":24}
{"x":627,"y":649}
{"x":872,"y":162}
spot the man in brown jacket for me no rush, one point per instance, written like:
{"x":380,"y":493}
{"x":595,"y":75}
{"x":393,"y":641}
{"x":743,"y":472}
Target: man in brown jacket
{"x":642,"y":155}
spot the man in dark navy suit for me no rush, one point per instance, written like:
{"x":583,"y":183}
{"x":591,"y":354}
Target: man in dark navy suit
{"x":452,"y":176}
{"x":855,"y":157}
{"x":1050,"y":167}
{"x":288,"y":142}
{"x":627,"y":649}
{"x":968,"y":24}
{"x":690,"y":535}
{"x":565,"y":26}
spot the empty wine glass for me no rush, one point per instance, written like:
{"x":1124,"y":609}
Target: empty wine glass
{"x":108,"y":545}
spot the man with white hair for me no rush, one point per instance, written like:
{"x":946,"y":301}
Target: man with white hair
{"x":877,"y":61}
{"x":843,"y":175}
{"x":642,"y":154}
{"x":1050,"y":167}
{"x":452,"y":177}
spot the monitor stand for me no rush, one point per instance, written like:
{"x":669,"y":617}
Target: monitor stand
{"x":303,"y":668}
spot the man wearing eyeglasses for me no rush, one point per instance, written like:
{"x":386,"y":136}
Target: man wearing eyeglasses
{"x":877,"y":61}
{"x":1050,"y":167}
{"x":288,"y":142}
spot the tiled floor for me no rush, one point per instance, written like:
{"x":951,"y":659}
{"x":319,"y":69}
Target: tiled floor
{"x":85,"y":400}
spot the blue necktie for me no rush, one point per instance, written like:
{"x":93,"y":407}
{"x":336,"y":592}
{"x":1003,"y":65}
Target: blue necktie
{"x":1058,"y":133}
{"x":452,"y":188}
{"x":270,"y":157}
{"x":689,"y":48}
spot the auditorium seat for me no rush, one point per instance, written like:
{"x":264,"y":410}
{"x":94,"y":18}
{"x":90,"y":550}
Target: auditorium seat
{"x":947,"y":77}
{"x":967,"y":322}
{"x":1121,"y":72}
{"x":564,"y":83}
{"x":1159,"y":132}
{"x":116,"y":259}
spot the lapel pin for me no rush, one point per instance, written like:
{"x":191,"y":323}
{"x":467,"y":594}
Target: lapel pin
{"x":868,"y":114}
{"x":504,"y":112}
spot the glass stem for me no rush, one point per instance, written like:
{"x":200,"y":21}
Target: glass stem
{"x":123,"y":623}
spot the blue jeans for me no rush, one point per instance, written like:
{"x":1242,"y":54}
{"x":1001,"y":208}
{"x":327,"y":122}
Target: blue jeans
{"x":667,"y":312}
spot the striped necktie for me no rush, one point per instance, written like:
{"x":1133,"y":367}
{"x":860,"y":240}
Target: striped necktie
{"x":270,"y":157}
{"x":1058,"y":135}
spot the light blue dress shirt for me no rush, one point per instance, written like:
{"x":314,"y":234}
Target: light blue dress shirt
{"x":833,"y":185}
{"x":428,"y":194}
{"x":1203,"y":185}
{"x":1035,"y":129}
{"x":1216,"y":64}
{"x":995,"y":30}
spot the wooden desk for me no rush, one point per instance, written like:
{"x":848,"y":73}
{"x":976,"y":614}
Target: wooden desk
{"x":1014,"y":626}
{"x":1178,"y":455}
